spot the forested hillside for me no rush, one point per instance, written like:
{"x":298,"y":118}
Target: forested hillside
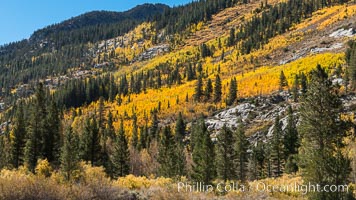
{"x":127,"y":105}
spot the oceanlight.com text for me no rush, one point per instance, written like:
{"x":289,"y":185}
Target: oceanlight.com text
{"x":260,"y":187}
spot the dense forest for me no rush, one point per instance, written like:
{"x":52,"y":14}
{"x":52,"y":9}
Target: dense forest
{"x":41,"y":132}
{"x":78,"y":124}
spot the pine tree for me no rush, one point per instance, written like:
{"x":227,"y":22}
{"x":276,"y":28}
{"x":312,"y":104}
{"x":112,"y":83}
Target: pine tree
{"x":225,"y":154}
{"x":291,"y":139}
{"x":346,"y":80}
{"x":351,"y":61}
{"x":35,"y":145}
{"x":180,"y":159}
{"x":198,"y":89}
{"x":18,"y":140}
{"x":322,"y":131}
{"x":180,"y":129}
{"x":256,"y":161}
{"x":32,"y":149}
{"x":203,"y":154}
{"x":277,"y":148}
{"x":231,"y":40}
{"x":134,"y":137}
{"x":166,"y":154}
{"x":295,"y":88}
{"x":90,"y":142}
{"x":208,"y":89}
{"x":190,"y":73}
{"x":101,"y":113}
{"x":107,"y":139}
{"x":121,"y":155}
{"x":154,"y":127}
{"x":303,"y":83}
{"x":5,"y":151}
{"x":282,"y":81}
{"x":241,"y":159}
{"x":232,"y":95}
{"x":69,"y":154}
{"x":3,"y":161}
{"x":52,"y":135}
{"x":217,"y":89}
{"x":143,"y":137}
{"x":109,"y":131}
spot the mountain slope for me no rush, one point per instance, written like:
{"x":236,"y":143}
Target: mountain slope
{"x":171,"y":71}
{"x":96,"y":18}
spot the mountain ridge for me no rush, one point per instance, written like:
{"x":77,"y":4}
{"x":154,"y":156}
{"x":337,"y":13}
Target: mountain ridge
{"x":92,"y":18}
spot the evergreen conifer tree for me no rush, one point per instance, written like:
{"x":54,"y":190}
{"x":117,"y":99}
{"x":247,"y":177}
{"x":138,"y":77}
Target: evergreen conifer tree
{"x":282,"y":81}
{"x":241,"y":159}
{"x":225,"y":154}
{"x":19,"y":134}
{"x":121,"y":155}
{"x":277,"y":149}
{"x":217,"y":89}
{"x":203,"y":154}
{"x":208,"y":89}
{"x":69,"y":154}
{"x":180,"y":129}
{"x":198,"y":89}
{"x":232,"y":95}
{"x":322,"y":131}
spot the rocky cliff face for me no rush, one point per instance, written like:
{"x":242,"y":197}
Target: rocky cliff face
{"x":258,"y":115}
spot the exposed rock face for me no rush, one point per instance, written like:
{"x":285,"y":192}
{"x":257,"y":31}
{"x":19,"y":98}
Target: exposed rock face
{"x":152,"y":52}
{"x":343,"y":33}
{"x":263,"y":110}
{"x":230,"y":116}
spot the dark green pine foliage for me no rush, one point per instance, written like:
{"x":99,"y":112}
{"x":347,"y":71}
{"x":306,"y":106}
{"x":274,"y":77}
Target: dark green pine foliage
{"x":3,"y":161}
{"x":35,"y":146}
{"x":19,"y":134}
{"x":208,"y":89}
{"x":204,"y":50}
{"x":198,"y":93}
{"x":231,"y":39}
{"x":134,"y":137}
{"x":180,"y":159}
{"x":90,"y":142}
{"x":291,"y":139}
{"x":166,"y":153}
{"x":267,"y":168}
{"x":153,"y":131}
{"x":241,"y":146}
{"x":232,"y":95}
{"x":256,"y":162}
{"x":303,"y":83}
{"x":322,"y":131}
{"x":282,"y":81}
{"x":277,"y":149}
{"x":69,"y":156}
{"x":295,"y":88}
{"x":180,"y":129}
{"x":52,"y":135}
{"x":217,"y":89}
{"x":203,"y":154}
{"x":101,"y":113}
{"x":107,"y":139}
{"x":121,"y":155}
{"x":351,"y":61}
{"x":109,"y":130}
{"x":189,"y":72}
{"x":225,"y":154}
{"x":5,"y":149}
{"x":143,"y":137}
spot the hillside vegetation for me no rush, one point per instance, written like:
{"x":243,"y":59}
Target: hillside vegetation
{"x":128,"y":105}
